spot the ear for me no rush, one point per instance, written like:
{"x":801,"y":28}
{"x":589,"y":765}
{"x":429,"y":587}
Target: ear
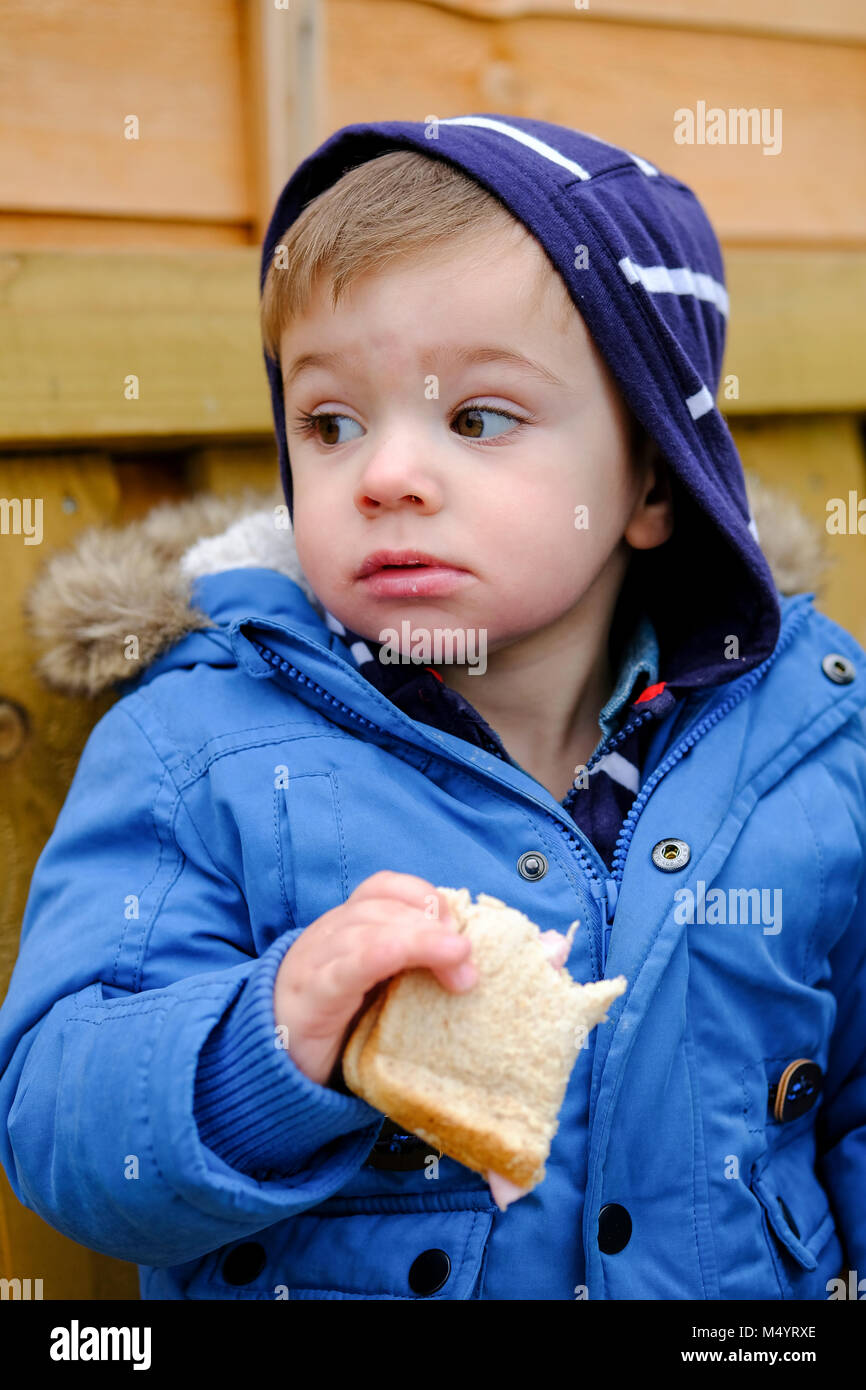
{"x":652,"y":521}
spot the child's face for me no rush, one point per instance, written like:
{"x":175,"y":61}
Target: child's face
{"x":396,"y":466}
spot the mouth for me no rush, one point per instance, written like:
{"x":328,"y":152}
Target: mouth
{"x":408,"y":574}
{"x":402,"y":560}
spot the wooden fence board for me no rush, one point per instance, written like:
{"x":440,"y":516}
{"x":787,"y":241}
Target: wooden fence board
{"x":71,"y":74}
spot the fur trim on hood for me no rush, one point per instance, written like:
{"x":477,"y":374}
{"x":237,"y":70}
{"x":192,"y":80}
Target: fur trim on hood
{"x":137,"y":579}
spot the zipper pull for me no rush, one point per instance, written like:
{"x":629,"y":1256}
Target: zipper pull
{"x":606,"y":898}
{"x":611,"y":892}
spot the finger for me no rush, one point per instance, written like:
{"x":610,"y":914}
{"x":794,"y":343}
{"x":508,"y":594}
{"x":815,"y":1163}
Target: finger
{"x":408,"y":888}
{"x":460,"y":978}
{"x":380,"y":951}
{"x":319,"y":985}
{"x":394,"y":912}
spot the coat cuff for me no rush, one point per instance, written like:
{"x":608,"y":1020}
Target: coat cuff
{"x":253,"y":1107}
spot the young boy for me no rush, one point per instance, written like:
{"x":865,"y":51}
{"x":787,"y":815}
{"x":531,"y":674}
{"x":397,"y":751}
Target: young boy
{"x":497,"y":344}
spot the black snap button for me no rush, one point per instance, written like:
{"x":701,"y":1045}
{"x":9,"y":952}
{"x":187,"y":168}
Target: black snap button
{"x":789,"y":1218}
{"x":614,"y":1228}
{"x":797,"y":1089}
{"x":429,"y":1272}
{"x":244,"y":1263}
{"x":532,"y":864}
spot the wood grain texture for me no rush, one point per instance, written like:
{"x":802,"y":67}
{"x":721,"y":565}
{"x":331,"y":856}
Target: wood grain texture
{"x":70,"y":76}
{"x":35,"y":231}
{"x":74,"y":327}
{"x":796,"y":335}
{"x":282,"y":56}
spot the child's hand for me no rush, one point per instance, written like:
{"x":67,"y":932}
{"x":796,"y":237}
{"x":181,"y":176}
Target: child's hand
{"x":329,"y":975}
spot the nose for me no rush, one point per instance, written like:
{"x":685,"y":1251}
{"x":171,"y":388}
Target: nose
{"x":394,"y":477}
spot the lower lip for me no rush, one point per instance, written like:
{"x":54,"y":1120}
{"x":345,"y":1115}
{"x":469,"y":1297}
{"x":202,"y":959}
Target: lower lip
{"x":414,"y":581}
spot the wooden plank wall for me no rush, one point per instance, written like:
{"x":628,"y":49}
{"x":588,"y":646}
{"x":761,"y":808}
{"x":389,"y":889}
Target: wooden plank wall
{"x":140,"y":256}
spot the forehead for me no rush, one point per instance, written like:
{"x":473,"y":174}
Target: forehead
{"x":498,"y":280}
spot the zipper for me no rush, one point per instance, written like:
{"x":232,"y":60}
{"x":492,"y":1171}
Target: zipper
{"x":685,"y":746}
{"x":604,"y":889}
{"x":605,"y":886}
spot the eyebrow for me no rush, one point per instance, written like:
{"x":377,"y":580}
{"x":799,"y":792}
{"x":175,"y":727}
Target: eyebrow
{"x":464,"y":357}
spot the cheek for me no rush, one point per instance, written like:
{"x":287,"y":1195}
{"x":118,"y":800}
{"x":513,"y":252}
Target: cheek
{"x":558,"y":528}
{"x":316,"y":541}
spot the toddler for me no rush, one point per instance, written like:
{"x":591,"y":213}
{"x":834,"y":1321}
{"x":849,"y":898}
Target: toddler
{"x":521,"y":637}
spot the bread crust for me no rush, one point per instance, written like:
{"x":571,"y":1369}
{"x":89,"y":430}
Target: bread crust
{"x":353,"y":1051}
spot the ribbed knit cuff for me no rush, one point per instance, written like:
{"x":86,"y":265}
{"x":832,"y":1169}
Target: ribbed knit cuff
{"x":252,"y":1105}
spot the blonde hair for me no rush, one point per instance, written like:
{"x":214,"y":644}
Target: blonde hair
{"x":389,"y":207}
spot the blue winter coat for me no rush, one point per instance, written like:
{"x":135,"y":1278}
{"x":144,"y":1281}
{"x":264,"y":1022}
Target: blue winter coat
{"x":231,"y":798}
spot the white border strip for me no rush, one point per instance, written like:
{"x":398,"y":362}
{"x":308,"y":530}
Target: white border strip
{"x":547,"y":151}
{"x":700,"y":403}
{"x":522,"y":138}
{"x":677,"y":280}
{"x":663,"y":279}
{"x":619,"y":769}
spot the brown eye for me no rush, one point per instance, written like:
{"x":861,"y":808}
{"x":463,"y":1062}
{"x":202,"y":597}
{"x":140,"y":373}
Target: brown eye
{"x":478,"y":418}
{"x":327,"y":428}
{"x":473,"y":421}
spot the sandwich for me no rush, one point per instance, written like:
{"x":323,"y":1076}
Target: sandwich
{"x":481,"y":1075}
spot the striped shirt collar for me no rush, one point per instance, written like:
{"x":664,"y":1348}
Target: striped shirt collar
{"x":638,"y":670}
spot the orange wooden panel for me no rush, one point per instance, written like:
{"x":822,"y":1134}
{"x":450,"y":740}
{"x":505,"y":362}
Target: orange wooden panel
{"x":624,"y":83}
{"x":72,"y":74}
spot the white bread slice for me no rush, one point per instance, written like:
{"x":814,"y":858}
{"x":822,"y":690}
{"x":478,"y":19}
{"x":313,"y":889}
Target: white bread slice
{"x":481,"y":1075}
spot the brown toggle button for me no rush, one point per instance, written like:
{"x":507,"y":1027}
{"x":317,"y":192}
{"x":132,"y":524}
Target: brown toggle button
{"x":797,"y":1089}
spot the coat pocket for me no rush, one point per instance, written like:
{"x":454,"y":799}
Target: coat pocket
{"x":805,"y":1253}
{"x":800,"y":1221}
{"x":401,"y":1247}
{"x":313,"y":871}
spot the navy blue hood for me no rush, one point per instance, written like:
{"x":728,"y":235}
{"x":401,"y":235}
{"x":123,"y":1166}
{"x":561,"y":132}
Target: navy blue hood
{"x":653,"y":296}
